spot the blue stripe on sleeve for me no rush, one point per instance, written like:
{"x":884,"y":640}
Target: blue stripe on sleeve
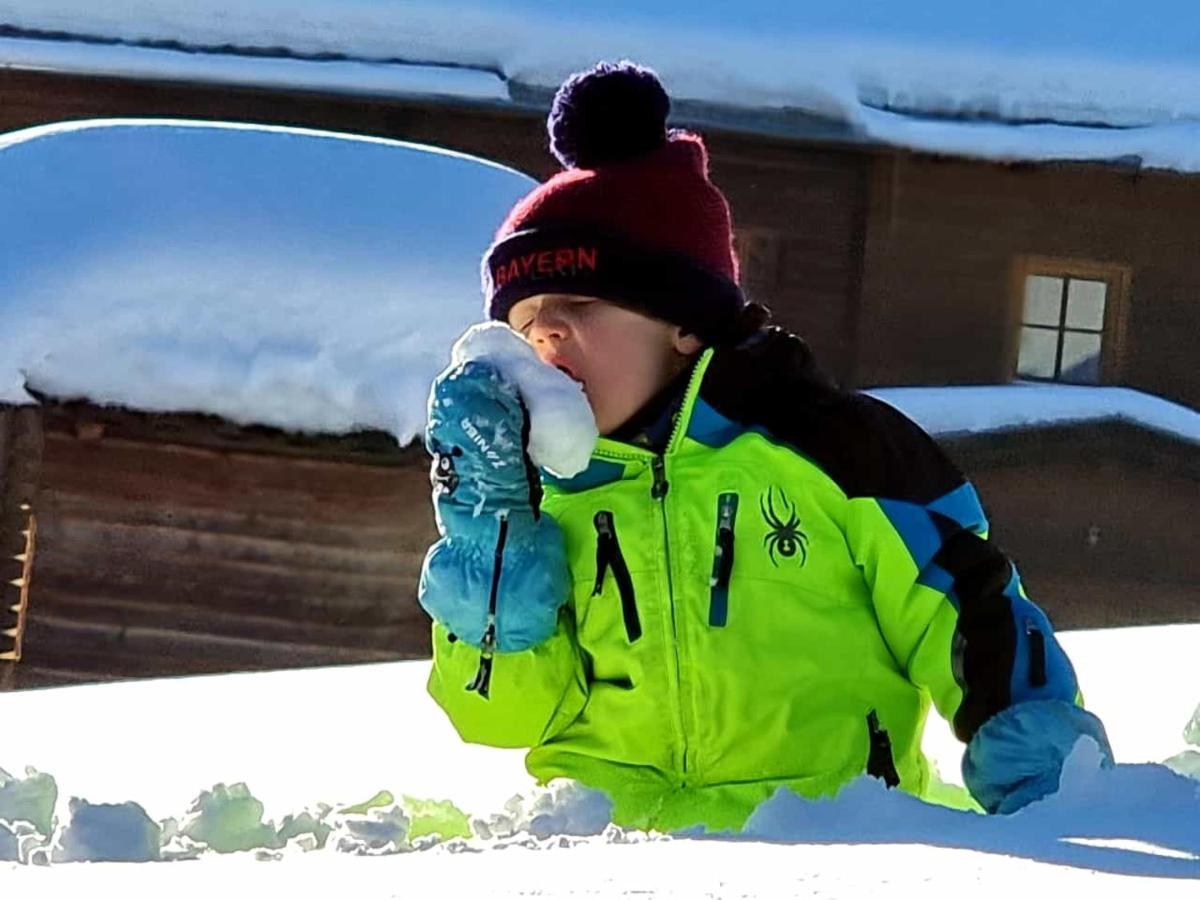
{"x":1029,"y":621}
{"x":915,"y":528}
{"x":963,"y":506}
{"x":922,"y":539}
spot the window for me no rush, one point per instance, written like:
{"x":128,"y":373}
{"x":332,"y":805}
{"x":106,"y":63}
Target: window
{"x":1068,"y":318}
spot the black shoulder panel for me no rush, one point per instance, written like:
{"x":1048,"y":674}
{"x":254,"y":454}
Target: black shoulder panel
{"x":866,"y":446}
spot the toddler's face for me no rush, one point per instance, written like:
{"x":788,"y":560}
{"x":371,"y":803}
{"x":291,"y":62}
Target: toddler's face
{"x":621,"y":357}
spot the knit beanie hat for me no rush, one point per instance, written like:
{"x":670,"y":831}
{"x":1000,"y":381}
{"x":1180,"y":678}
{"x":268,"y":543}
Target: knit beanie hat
{"x":632,"y":218}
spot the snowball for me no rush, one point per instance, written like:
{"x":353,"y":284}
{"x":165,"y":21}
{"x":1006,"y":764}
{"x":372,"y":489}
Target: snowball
{"x":562,"y":429}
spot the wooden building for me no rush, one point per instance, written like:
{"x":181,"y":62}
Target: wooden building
{"x":1099,"y":518}
{"x":169,"y":544}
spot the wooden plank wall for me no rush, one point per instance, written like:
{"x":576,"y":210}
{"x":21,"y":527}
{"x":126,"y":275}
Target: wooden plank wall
{"x":168,"y":558}
{"x":1104,"y":537}
{"x":20,"y":463}
{"x":800,"y":217}
{"x":939,"y":303}
{"x":223,"y":549}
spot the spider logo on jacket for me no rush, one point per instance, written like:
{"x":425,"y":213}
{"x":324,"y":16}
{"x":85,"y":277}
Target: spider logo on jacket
{"x":785,"y":537}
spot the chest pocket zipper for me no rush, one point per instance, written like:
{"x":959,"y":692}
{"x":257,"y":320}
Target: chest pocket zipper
{"x":718,"y":609}
{"x":609,"y":556}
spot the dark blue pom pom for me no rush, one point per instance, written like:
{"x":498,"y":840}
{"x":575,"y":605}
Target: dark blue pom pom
{"x":609,"y":113}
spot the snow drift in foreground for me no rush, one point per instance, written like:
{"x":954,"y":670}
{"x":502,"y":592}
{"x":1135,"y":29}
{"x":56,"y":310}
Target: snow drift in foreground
{"x":310,"y":750}
{"x":1132,"y":819}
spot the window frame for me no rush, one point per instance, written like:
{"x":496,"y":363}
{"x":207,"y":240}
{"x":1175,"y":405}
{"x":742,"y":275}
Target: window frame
{"x":1113,"y":344}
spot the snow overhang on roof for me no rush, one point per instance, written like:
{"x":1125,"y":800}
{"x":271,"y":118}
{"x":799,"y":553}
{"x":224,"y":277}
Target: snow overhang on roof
{"x":1026,"y":81}
{"x":967,"y":410}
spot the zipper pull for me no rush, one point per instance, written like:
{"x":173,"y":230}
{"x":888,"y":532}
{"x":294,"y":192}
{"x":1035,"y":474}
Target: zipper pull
{"x":604,"y":548}
{"x":880,"y":761}
{"x":661,"y":486}
{"x":722,"y":570}
{"x":726,"y":510}
{"x":725,"y":513}
{"x":723,"y":559}
{"x":483,"y":676}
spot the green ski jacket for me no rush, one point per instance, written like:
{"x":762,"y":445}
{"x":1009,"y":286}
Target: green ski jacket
{"x":774,"y":600}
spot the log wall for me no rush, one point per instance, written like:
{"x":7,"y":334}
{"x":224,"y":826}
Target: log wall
{"x":1100,"y":519}
{"x":168,"y":557}
{"x":946,"y":239}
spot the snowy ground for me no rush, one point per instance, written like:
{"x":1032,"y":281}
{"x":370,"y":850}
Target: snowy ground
{"x":323,"y":738}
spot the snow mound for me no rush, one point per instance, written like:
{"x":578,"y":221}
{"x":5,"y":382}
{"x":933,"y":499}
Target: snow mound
{"x":1094,"y":810}
{"x":564,"y":808}
{"x":1137,"y":819}
{"x":108,"y":832}
{"x":1188,"y":762}
{"x":30,"y":799}
{"x":1132,"y":819}
{"x":229,"y":819}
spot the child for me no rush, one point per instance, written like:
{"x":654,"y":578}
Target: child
{"x":760,"y":580}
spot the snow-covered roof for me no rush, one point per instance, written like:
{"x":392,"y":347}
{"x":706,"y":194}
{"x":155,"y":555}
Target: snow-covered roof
{"x":947,"y":411}
{"x":1020,"y":80}
{"x":306,"y":280}
{"x":293,"y":278}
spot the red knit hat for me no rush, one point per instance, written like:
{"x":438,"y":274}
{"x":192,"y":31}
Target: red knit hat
{"x":633,"y":218}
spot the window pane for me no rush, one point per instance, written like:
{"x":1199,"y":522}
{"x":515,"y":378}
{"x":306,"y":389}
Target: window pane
{"x":1043,"y":300}
{"x":1081,"y":357}
{"x":1085,"y":304}
{"x":1039,"y":347}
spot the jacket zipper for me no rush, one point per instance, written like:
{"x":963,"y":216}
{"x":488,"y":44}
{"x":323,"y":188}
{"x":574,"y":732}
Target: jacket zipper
{"x":483,"y":677}
{"x":718,"y":608}
{"x":658,"y":491}
{"x":608,"y":555}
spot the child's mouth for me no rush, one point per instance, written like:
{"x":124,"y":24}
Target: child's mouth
{"x":567,"y":371}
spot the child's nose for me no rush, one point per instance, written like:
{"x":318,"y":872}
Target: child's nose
{"x":549,"y":325}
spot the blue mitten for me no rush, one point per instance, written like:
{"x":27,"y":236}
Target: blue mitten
{"x":1017,"y":756}
{"x":498,"y":575}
